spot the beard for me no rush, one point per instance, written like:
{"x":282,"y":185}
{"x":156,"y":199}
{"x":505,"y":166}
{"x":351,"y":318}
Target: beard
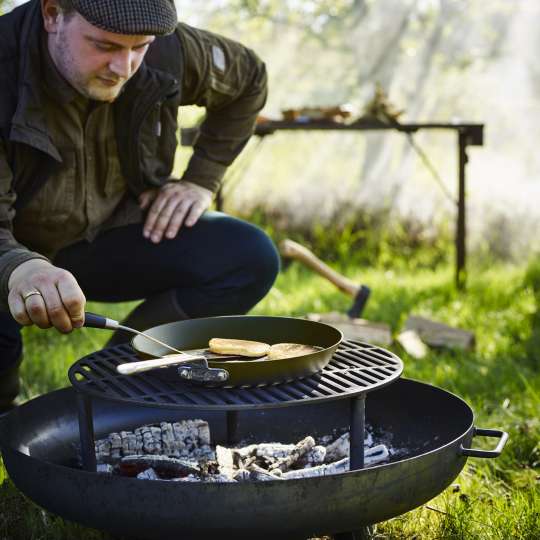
{"x":90,"y":86}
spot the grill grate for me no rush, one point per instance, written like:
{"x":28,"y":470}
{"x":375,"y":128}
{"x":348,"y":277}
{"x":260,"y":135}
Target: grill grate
{"x":355,"y":369}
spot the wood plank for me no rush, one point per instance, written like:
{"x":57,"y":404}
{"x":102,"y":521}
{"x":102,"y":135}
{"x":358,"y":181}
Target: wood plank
{"x":376,"y":333}
{"x":412,"y":344}
{"x":437,"y":334}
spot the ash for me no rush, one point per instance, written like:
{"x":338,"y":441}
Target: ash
{"x":182,"y":452}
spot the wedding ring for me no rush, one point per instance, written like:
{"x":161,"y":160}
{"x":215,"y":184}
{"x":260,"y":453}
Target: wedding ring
{"x":31,"y":293}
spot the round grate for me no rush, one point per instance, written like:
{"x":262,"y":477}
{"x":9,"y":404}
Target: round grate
{"x":356,"y":368}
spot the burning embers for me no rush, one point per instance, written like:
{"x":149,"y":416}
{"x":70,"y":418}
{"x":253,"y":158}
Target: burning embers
{"x":182,"y":452}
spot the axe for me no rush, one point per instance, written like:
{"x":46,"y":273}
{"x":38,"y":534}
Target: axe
{"x":360,"y":293}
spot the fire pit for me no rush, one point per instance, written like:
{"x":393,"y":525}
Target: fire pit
{"x":40,"y":441}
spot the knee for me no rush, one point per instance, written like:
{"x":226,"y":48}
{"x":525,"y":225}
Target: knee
{"x":255,"y":255}
{"x":264,"y":258}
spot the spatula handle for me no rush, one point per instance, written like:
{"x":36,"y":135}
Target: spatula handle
{"x":91,"y":320}
{"x":131,"y":368}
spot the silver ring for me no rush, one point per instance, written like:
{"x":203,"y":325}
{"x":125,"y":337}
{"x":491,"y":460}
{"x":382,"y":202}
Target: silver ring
{"x":31,"y":293}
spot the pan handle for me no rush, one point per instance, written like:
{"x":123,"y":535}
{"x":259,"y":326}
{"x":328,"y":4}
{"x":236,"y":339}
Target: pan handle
{"x":496,"y":433}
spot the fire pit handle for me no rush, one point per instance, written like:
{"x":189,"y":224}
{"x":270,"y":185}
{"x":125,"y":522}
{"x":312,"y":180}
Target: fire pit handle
{"x":473,"y":452}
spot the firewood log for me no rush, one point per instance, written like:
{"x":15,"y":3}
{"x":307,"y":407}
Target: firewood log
{"x":304,"y":446}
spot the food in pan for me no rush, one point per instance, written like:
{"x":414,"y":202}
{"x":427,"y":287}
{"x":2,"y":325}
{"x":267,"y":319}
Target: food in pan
{"x":241,"y":347}
{"x":279,"y":351}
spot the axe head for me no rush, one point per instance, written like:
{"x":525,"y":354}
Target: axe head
{"x":360,"y":301}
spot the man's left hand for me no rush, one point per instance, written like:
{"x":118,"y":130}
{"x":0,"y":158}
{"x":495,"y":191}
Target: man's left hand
{"x":171,"y":206}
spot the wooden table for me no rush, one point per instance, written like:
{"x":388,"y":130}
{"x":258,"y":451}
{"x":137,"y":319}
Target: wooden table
{"x":467,"y":135}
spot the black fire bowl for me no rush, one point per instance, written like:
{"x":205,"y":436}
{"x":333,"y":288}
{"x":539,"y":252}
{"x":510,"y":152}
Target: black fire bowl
{"x":38,"y":443}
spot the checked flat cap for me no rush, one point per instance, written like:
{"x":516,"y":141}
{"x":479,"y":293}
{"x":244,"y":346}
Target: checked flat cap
{"x":130,"y":17}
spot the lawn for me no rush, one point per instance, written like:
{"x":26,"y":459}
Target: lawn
{"x":491,"y":499}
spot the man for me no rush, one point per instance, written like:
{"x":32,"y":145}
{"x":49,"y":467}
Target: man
{"x":89,"y":96}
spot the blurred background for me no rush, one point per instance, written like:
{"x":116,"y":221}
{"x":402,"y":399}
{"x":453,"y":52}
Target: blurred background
{"x":437,"y":61}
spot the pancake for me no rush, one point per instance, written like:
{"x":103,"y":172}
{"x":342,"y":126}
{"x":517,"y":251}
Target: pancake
{"x":280,"y":351}
{"x":240,"y":347}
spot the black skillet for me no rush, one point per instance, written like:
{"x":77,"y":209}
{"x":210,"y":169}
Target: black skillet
{"x":194,"y":334}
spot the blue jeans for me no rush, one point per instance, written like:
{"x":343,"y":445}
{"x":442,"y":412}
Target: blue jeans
{"x":220,"y":266}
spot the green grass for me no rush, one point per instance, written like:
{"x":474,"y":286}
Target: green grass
{"x":496,"y":499}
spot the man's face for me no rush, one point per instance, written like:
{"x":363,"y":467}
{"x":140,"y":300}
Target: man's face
{"x":97,"y":63}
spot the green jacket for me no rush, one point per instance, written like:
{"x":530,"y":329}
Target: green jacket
{"x":189,"y":67}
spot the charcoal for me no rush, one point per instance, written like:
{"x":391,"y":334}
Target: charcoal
{"x":214,"y":478}
{"x":105,"y":468}
{"x":188,"y":478}
{"x":181,"y":452}
{"x":190,"y":438}
{"x":148,"y":474}
{"x":129,"y":443}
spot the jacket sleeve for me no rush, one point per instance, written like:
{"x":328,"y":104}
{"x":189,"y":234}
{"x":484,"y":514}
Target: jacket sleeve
{"x":12,"y":254}
{"x":230,"y":81}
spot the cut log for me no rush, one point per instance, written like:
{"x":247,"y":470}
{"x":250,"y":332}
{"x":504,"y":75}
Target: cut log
{"x":273,"y":451}
{"x":413,"y":345}
{"x":376,"y":333}
{"x":341,"y":446}
{"x":372,"y":456}
{"x":375,"y":455}
{"x":338,"y":449}
{"x":302,"y":448}
{"x":225,"y":461}
{"x":164,"y":466}
{"x":321,"y":470}
{"x":436,"y":334}
{"x":257,"y":473}
{"x":314,"y":457}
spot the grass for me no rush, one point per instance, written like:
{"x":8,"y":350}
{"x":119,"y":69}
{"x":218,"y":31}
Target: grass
{"x":491,"y":499}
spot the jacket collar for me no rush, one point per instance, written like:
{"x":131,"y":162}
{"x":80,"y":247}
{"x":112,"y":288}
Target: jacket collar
{"x":28,"y":124}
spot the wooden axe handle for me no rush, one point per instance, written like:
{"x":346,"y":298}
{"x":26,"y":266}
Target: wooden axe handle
{"x":293,"y":250}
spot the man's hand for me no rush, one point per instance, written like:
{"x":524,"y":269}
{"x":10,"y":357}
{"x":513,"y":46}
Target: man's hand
{"x":173,"y":205}
{"x":42,"y":294}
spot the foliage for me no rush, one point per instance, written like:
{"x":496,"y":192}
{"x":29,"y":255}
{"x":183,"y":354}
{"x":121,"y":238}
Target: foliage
{"x":363,"y":238}
{"x":532,"y":281}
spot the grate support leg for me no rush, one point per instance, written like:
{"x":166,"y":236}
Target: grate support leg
{"x":232,"y":427}
{"x":86,"y":432}
{"x":358,"y":428}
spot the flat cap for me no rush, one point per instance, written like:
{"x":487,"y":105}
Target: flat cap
{"x":130,"y":17}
